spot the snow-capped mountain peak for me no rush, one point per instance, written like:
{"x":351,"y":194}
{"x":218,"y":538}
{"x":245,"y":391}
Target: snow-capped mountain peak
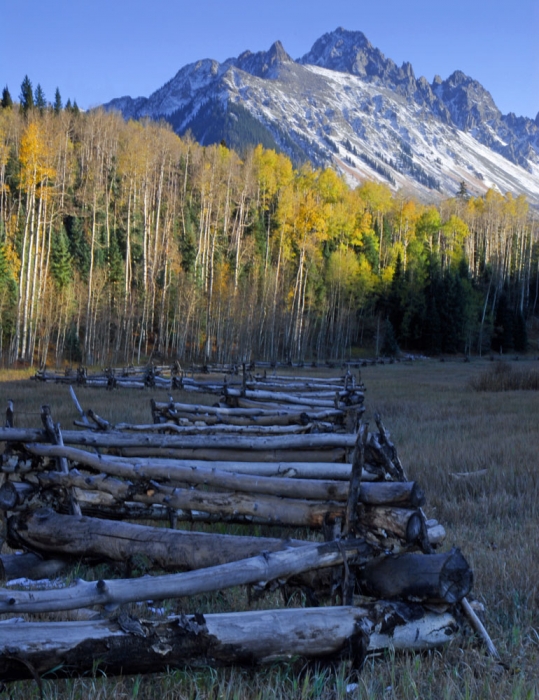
{"x":344,"y":103}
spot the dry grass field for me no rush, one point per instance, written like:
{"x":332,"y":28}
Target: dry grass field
{"x":442,"y":429}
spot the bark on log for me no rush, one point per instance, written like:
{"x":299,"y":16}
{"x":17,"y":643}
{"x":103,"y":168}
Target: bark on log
{"x":263,"y":568}
{"x":127,"y":645}
{"x":48,"y":532}
{"x":444,"y":578}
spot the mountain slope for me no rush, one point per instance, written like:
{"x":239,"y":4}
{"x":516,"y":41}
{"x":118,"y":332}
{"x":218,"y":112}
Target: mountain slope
{"x":344,"y":103}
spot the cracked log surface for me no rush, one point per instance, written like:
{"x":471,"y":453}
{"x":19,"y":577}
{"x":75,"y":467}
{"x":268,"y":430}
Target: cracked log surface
{"x":129,"y":645}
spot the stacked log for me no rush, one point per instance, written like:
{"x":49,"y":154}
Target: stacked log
{"x":378,"y":565}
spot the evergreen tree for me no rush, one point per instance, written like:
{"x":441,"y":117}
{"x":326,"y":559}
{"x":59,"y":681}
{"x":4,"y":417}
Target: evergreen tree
{"x":463,"y":192}
{"x":520,"y":333}
{"x":115,"y":267}
{"x":57,"y":102}
{"x":503,"y":336}
{"x":39,"y":99}
{"x":69,"y":106}
{"x":6,"y":98}
{"x":8,"y":298}
{"x":79,"y":248}
{"x":61,"y":260}
{"x":432,"y":330}
{"x":452,"y":313}
{"x":396,"y":298}
{"x":390,"y":347}
{"x":27,"y":95}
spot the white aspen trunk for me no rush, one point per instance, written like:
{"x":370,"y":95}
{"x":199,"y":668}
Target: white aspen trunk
{"x":88,"y":332}
{"x":127,"y":268}
{"x":38,"y":264}
{"x":24,"y":337}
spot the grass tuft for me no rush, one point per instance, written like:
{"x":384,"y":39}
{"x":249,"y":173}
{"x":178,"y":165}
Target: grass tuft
{"x":502,"y":377}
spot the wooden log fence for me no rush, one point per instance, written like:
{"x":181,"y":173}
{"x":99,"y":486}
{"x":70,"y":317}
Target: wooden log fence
{"x":75,"y":495}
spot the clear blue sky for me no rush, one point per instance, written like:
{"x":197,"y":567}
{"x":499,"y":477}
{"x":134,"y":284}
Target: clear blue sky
{"x":94,"y":50}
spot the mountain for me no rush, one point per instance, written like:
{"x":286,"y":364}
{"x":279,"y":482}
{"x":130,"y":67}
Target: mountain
{"x":344,"y":103}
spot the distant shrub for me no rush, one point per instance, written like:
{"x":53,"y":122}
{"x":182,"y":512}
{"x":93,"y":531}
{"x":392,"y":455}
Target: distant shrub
{"x":502,"y":377}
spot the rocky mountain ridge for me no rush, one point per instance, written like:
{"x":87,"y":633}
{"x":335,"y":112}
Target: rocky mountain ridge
{"x":344,"y":103}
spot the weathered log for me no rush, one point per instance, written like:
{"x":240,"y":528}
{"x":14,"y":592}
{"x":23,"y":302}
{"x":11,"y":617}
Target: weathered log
{"x":310,"y":400}
{"x":335,"y":454}
{"x":381,"y":493}
{"x":48,"y":532}
{"x":300,"y":381}
{"x":241,"y":402}
{"x":14,"y":493}
{"x":121,"y":440}
{"x":330,"y":471}
{"x":444,"y":578}
{"x":223,"y":428}
{"x":406,"y":524}
{"x":126,"y":645}
{"x":291,"y":512}
{"x":334,"y":471}
{"x":30,"y":565}
{"x":275,"y":418}
{"x":263,"y":568}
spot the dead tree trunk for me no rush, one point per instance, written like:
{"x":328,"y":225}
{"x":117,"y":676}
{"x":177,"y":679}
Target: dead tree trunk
{"x":127,"y":645}
{"x":49,"y":533}
{"x":263,"y":568}
{"x":444,"y":578}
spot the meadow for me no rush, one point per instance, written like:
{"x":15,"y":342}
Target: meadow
{"x":475,"y":454}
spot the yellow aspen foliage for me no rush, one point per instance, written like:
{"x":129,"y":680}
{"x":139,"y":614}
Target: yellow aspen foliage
{"x":35,"y":158}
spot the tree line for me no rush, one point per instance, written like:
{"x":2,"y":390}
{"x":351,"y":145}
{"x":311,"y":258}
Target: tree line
{"x":121,"y":241}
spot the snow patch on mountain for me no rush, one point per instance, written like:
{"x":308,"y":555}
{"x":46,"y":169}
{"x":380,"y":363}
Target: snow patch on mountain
{"x":346,"y":104}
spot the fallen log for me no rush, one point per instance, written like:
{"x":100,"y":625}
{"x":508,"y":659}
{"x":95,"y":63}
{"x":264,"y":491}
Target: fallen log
{"x":263,"y":568}
{"x":404,"y":523}
{"x":47,"y":532}
{"x":222,"y":442}
{"x":334,"y":471}
{"x":407,"y":494}
{"x":336,"y":454}
{"x":311,"y":400}
{"x":289,"y":512}
{"x":244,"y":417}
{"x":223,"y":428}
{"x":126,"y":645}
{"x":407,"y":525}
{"x":442,"y":578}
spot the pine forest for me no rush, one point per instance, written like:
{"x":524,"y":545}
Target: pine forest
{"x":120,"y":241}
